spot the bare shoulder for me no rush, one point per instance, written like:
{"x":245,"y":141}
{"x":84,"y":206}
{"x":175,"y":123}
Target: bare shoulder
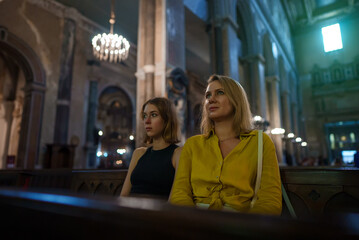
{"x":139,"y":152}
{"x":178,"y":150}
{"x":175,"y":157}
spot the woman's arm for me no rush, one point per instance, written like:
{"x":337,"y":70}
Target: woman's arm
{"x":181,"y":193}
{"x":270,"y":192}
{"x":137,"y":154}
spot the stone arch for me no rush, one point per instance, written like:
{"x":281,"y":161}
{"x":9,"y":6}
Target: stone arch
{"x":111,"y":94}
{"x":31,"y":66}
{"x":115,"y":118}
{"x":251,"y":42}
{"x":127,"y":93}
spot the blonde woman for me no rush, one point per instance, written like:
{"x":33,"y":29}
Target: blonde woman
{"x":218,"y":169}
{"x":152,"y":169}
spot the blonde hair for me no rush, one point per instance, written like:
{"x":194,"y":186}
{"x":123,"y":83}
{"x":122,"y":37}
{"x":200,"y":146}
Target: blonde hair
{"x":242,"y":117}
{"x":169,"y":116}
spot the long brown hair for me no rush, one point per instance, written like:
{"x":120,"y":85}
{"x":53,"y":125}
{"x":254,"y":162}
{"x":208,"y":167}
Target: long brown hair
{"x":169,"y":116}
{"x":242,"y":118}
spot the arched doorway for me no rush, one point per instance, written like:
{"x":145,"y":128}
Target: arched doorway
{"x":114,"y":121}
{"x":24,"y":68}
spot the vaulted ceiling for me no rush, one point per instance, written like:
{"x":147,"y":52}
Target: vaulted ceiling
{"x":303,"y":14}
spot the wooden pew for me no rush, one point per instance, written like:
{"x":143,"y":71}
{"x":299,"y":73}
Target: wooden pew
{"x":91,"y":182}
{"x":313,"y":191}
{"x":37,"y":215}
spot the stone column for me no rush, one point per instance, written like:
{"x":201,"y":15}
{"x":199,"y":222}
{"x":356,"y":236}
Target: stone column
{"x":297,"y":147}
{"x":6,"y":110}
{"x":161,"y":46}
{"x":30,"y":133}
{"x":275,"y":113}
{"x":287,"y":123}
{"x":91,"y":143}
{"x":65,"y":82}
{"x":224,"y":41}
{"x":257,"y":84}
{"x":15,"y":125}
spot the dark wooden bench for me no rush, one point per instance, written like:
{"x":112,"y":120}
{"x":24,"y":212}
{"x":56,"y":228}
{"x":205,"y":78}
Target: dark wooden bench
{"x":312,"y":191}
{"x":317,"y":191}
{"x":86,"y":182}
{"x":37,"y":215}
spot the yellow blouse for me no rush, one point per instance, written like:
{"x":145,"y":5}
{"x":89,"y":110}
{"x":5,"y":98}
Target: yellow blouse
{"x":204,"y":177}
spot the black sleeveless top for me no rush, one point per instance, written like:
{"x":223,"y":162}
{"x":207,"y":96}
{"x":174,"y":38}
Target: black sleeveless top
{"x":154,"y":172}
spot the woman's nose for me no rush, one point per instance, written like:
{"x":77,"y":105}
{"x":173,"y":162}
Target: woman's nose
{"x":211,"y":99}
{"x":147,"y":120}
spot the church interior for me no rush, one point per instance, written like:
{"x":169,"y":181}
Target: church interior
{"x":70,"y":109}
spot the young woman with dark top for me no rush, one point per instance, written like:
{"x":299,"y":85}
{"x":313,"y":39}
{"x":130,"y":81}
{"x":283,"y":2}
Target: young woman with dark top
{"x":152,"y":169}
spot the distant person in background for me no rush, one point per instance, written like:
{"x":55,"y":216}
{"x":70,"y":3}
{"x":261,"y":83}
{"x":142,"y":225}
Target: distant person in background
{"x":356,"y":158}
{"x":152,"y":168}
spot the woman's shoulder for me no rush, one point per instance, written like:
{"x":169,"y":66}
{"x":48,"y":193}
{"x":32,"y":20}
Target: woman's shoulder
{"x":197,"y":141}
{"x":139,"y":151}
{"x":178,"y":149}
{"x":196,"y":138}
{"x":266,"y":137}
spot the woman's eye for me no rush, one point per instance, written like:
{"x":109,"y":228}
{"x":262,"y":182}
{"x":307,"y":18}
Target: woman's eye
{"x":144,"y":116}
{"x":154,"y":115}
{"x":220,"y":92}
{"x":208,"y":96}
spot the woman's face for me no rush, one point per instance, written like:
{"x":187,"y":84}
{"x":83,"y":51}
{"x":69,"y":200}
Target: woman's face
{"x":217,"y":103}
{"x":153,"y":121}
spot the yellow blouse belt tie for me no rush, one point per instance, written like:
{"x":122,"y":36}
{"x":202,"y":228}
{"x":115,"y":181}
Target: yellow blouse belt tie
{"x":216,"y":202}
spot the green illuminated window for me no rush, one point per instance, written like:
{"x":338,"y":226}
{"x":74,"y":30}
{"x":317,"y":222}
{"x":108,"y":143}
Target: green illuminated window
{"x":332,"y":38}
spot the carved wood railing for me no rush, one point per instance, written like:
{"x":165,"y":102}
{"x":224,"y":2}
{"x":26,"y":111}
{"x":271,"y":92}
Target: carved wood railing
{"x":316,"y":190}
{"x":90,"y":182}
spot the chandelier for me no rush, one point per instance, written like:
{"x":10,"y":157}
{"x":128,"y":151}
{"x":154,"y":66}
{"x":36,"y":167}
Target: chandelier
{"x":110,"y":47}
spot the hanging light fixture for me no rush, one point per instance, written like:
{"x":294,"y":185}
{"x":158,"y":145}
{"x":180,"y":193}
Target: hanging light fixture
{"x":110,"y":47}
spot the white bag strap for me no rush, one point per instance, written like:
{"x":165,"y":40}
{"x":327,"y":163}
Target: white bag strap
{"x":259,"y":167}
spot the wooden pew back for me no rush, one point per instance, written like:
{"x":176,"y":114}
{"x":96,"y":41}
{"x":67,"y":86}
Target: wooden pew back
{"x":312,"y":191}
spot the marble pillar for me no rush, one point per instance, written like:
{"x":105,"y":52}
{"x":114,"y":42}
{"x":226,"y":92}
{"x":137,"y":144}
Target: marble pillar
{"x":223,"y":37}
{"x":65,"y":82}
{"x":257,"y":84}
{"x":297,"y":146}
{"x":91,"y":131}
{"x":6,"y":110}
{"x":275,"y":113}
{"x":30,"y":130}
{"x":161,"y":46}
{"x":287,"y":123}
{"x":15,"y":125}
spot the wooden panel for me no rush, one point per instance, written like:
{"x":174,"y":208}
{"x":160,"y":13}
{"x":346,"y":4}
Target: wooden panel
{"x":99,"y":182}
{"x":314,"y":191}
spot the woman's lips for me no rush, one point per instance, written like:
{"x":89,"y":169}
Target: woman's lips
{"x":212,"y":108}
